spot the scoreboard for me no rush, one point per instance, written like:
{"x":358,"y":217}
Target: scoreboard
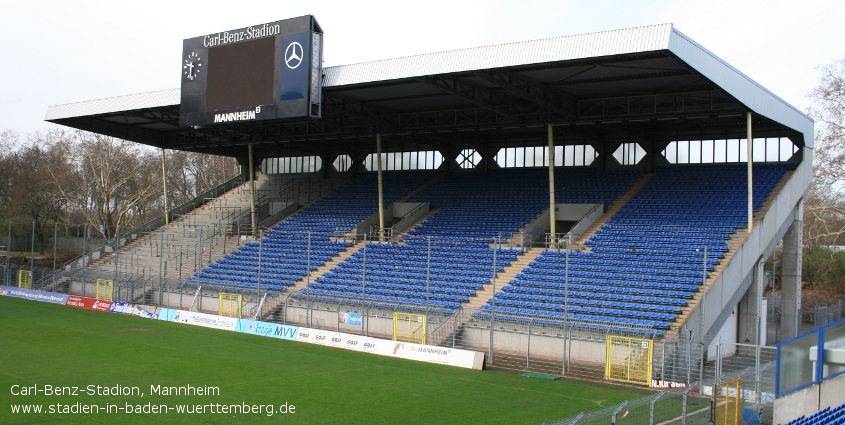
{"x":263,"y":72}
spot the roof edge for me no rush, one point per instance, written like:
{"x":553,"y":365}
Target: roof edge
{"x":752,"y":94}
{"x":144,"y":100}
{"x":579,"y":46}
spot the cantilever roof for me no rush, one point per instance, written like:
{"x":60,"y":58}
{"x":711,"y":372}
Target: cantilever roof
{"x":632,"y":76}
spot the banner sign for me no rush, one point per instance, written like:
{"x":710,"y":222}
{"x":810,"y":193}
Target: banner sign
{"x":132,"y":309}
{"x":403,"y":350}
{"x":273,"y":330}
{"x":205,"y":320}
{"x":89,"y":303}
{"x":166,"y":314}
{"x":441,"y":355}
{"x":305,"y":335}
{"x":351,"y":319}
{"x":29,"y":294}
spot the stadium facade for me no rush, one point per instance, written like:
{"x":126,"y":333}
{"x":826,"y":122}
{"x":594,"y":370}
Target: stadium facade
{"x":647,"y":100}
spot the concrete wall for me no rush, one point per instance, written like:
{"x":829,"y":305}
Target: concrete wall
{"x":584,"y":214}
{"x":512,"y":339}
{"x":810,"y":400}
{"x":539,"y":226}
{"x":394,"y":211}
{"x":381,"y":326}
{"x":409,"y":212}
{"x":737,"y":276}
{"x":727,"y":333}
{"x":278,"y":211}
{"x":572,"y":212}
{"x":373,"y":221}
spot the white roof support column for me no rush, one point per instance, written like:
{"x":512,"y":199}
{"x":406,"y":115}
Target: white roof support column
{"x":380,"y":188}
{"x":252,"y":214}
{"x":552,"y":229}
{"x":164,"y":186}
{"x":750,"y":177}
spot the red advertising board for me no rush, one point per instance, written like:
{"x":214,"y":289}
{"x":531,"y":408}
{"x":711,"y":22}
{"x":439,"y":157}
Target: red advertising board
{"x":89,"y":303}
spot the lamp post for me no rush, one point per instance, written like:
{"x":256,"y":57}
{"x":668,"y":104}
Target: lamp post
{"x":701,"y":314}
{"x":493,"y":310}
{"x":703,"y":294}
{"x":260,"y":246}
{"x":364,"y":273}
{"x":55,"y":251}
{"x":566,"y":280}
{"x":566,"y":302}
{"x":427,"y":272}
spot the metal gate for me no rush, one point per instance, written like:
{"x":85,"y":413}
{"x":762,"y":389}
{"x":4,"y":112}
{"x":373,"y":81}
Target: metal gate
{"x":726,"y":402}
{"x":409,"y":327}
{"x":628,"y":359}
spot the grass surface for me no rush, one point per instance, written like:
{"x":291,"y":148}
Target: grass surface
{"x":47,"y":344}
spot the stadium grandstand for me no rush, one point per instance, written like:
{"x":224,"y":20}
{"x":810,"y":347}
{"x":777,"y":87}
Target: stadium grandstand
{"x":593,"y":184}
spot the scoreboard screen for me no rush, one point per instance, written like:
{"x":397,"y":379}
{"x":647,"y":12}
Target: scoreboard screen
{"x":264,"y":72}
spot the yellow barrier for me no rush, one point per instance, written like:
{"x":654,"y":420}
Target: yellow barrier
{"x":726,"y":407}
{"x":105,"y":289}
{"x":409,"y":327}
{"x":25,"y":279}
{"x":628,"y":359}
{"x":231,"y":305}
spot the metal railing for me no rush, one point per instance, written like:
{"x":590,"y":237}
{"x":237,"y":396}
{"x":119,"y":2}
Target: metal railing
{"x":692,"y":404}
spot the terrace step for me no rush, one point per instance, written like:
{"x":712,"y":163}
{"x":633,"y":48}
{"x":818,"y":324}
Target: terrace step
{"x":504,"y":277}
{"x":613,"y":209}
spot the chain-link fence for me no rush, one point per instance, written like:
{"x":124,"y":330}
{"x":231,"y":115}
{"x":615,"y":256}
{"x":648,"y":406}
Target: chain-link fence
{"x":533,"y":343}
{"x":688,"y":371}
{"x":744,"y":395}
{"x":813,"y":316}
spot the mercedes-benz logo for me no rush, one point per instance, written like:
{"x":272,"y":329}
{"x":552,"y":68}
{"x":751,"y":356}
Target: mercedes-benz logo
{"x":293,"y":55}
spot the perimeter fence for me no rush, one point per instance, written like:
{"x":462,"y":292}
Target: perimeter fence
{"x":743,"y":396}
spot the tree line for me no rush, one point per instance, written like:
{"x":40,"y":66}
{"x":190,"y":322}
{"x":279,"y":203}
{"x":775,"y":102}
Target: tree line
{"x":824,"y":206}
{"x":76,"y":177}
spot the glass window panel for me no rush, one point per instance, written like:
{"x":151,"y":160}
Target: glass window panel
{"x":833,"y":359}
{"x":707,"y":151}
{"x":578,"y":156}
{"x":743,"y":150}
{"x":720,"y":150}
{"x":797,"y":361}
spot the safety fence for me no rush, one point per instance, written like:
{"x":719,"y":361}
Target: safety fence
{"x":582,"y":348}
{"x":813,"y":316}
{"x":739,"y":397}
{"x":538,"y":344}
{"x":687,"y":370}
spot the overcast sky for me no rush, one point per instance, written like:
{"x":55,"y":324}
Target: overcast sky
{"x":60,"y":52}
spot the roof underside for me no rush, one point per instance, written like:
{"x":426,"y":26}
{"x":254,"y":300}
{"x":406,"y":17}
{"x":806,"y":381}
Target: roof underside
{"x":649,"y":85}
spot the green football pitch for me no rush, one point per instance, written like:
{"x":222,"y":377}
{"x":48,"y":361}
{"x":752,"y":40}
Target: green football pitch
{"x":81,"y":366}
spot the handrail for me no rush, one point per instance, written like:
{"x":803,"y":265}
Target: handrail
{"x":158,"y":221}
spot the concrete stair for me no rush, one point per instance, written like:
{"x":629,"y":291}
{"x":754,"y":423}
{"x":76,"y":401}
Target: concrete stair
{"x":181,"y":238}
{"x":613,"y":209}
{"x":504,"y":277}
{"x":274,"y":312}
{"x":325,"y":268}
{"x":400,"y":237}
{"x":737,"y":239}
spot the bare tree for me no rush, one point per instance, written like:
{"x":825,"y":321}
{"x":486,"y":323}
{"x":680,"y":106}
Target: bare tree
{"x":114,"y":181}
{"x":33,"y":192}
{"x":209,"y":170}
{"x":190,"y":174}
{"x":824,"y":209}
{"x":9,"y":142}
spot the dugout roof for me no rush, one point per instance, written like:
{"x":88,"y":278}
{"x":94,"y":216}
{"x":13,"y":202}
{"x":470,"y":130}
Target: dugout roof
{"x":649,"y":85}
